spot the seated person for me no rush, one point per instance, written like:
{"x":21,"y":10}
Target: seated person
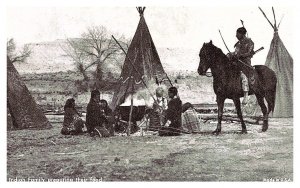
{"x":156,"y":113}
{"x":94,"y":116}
{"x":186,"y":106}
{"x":72,"y":124}
{"x":107,"y":116}
{"x":104,"y":106}
{"x":172,"y":114}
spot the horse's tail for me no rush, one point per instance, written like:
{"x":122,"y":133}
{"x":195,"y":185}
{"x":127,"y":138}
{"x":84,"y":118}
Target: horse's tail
{"x":269,"y":81}
{"x":271,"y":97}
{"x":271,"y":92}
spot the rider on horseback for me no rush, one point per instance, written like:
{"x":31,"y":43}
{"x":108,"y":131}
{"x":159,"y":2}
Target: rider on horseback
{"x":243,"y":52}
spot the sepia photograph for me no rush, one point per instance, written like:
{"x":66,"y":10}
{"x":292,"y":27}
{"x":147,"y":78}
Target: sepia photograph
{"x":133,"y":92}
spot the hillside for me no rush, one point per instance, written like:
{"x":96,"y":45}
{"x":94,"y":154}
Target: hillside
{"x":46,"y":57}
{"x":51,"y":75}
{"x":50,"y":57}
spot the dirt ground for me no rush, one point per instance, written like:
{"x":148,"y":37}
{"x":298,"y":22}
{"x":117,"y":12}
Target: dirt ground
{"x":46,"y":155}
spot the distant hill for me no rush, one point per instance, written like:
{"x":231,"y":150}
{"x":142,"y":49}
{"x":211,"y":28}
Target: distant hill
{"x":50,"y":57}
{"x":46,"y":57}
{"x":179,"y":60}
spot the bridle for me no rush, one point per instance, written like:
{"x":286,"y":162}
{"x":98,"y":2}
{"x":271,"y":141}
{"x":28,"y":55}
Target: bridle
{"x":207,"y":58}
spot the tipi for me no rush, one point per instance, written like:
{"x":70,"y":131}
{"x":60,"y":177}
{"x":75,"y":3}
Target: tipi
{"x":142,"y":64}
{"x":23,"y":110}
{"x":281,"y":62}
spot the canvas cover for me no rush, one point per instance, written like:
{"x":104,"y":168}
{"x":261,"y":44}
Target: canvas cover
{"x":23,"y":110}
{"x":143,"y":55}
{"x":280,"y":61}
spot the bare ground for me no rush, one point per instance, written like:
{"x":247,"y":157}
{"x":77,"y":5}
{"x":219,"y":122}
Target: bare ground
{"x":256,"y":156}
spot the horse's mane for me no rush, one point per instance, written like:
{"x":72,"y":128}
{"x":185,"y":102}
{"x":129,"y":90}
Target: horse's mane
{"x":225,"y":60}
{"x":220,"y":53}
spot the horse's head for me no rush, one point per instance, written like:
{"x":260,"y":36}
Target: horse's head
{"x":205,"y":58}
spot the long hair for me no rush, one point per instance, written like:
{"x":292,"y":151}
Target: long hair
{"x":105,"y":102}
{"x":106,"y":108}
{"x":70,"y":103}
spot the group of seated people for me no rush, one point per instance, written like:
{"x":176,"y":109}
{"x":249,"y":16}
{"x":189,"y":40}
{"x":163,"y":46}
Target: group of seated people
{"x":99,"y":118}
{"x":165,"y":115}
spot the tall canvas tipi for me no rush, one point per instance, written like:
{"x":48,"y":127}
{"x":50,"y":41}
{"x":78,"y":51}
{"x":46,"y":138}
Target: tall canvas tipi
{"x":23,"y":110}
{"x":281,"y":62}
{"x":142,"y":64}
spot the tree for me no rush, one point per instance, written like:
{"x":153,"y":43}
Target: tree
{"x":99,"y":47}
{"x":120,"y":58}
{"x":17,"y":56}
{"x":94,"y":49}
{"x":73,"y":50}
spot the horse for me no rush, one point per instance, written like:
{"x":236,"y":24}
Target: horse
{"x":227,"y":83}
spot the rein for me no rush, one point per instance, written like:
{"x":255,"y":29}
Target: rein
{"x":207,"y":74}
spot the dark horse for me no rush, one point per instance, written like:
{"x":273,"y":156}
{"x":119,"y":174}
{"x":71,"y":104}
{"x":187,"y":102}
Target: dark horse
{"x":227,"y":83}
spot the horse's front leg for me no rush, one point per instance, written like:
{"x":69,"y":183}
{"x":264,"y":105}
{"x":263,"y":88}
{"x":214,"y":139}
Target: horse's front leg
{"x":237,"y":105}
{"x":220,"y":101}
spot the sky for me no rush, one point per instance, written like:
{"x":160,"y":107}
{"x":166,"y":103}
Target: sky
{"x":170,"y":26}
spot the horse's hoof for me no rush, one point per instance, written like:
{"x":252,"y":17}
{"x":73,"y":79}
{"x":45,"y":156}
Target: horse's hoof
{"x":244,"y":131}
{"x":265,"y":126}
{"x":264,"y":129}
{"x":216,"y":132}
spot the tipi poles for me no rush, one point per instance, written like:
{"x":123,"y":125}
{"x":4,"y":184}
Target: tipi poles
{"x":131,"y":106}
{"x":280,"y":21}
{"x":266,"y":17}
{"x":274,"y":18}
{"x":141,"y":10}
{"x":169,"y":80}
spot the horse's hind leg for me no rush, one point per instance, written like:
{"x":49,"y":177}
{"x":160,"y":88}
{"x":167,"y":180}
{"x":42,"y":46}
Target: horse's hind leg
{"x":220,"y":101}
{"x":237,"y":104}
{"x":264,"y":110}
